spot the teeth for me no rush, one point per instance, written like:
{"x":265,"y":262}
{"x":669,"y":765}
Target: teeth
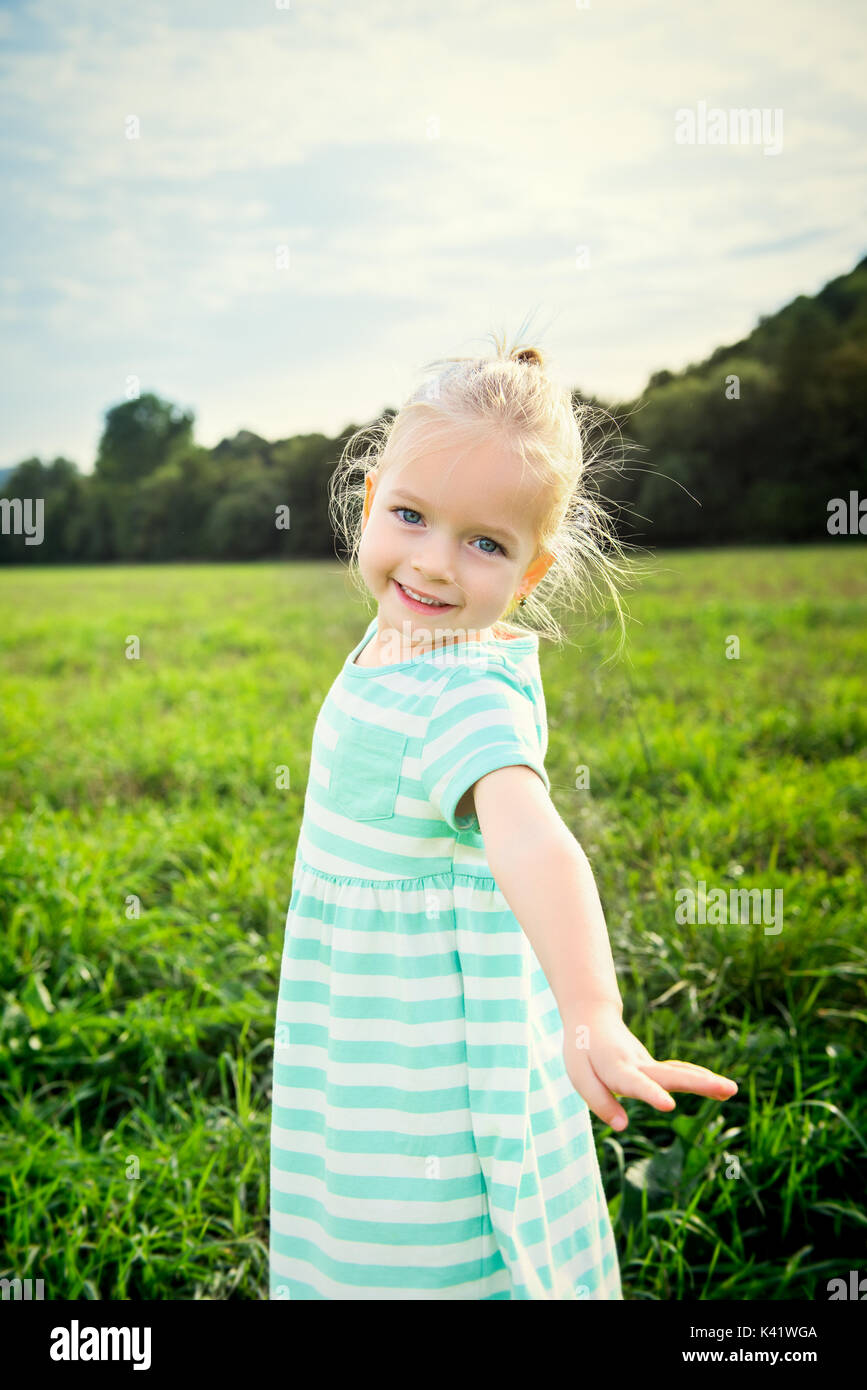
{"x":434,"y":602}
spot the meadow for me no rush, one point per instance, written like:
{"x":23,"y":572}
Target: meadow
{"x":146,"y":852}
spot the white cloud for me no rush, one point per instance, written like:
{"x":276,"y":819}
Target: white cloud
{"x":555,"y":128}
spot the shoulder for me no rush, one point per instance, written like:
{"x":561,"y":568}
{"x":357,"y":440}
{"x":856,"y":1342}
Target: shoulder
{"x":469,"y":688}
{"x":486,"y":668}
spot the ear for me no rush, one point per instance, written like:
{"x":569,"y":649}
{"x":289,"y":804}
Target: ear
{"x":369,"y":490}
{"x":537,"y":571}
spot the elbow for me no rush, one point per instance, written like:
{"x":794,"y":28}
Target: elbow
{"x":530,"y":852}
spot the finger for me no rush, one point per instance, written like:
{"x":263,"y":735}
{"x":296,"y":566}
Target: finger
{"x":623,"y":1078}
{"x":598,"y":1097}
{"x":694,"y":1066}
{"x":629,"y":1080}
{"x":725,"y":1082}
{"x":689,"y":1076}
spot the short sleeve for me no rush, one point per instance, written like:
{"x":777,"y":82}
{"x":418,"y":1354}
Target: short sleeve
{"x":482,"y":719}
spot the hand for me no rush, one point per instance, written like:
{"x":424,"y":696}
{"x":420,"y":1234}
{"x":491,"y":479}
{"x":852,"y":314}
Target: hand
{"x":602,"y":1057}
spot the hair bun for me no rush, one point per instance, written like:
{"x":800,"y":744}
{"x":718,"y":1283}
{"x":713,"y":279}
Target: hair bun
{"x":529,"y":356}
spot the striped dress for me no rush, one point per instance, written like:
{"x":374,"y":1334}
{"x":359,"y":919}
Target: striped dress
{"x":426,"y":1142}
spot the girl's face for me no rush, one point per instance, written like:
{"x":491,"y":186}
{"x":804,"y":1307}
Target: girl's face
{"x":461,"y":531}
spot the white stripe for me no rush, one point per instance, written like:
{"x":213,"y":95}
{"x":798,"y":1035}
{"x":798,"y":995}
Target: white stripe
{"x":386,"y":898}
{"x":398,"y":1032}
{"x":365,"y":1253}
{"x":427,"y":936}
{"x":383,"y":1212}
{"x":382,"y":1165}
{"x":338,"y":865}
{"x":386,"y":841}
{"x":413,"y":1078}
{"x":350,"y":703}
{"x":437,"y":748}
{"x":328,"y":1288}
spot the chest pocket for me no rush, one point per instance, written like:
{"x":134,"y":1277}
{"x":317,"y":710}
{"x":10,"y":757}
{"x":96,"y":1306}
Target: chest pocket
{"x":365,"y":770}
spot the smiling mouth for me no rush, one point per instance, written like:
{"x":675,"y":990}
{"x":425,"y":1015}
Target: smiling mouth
{"x":418,"y":597}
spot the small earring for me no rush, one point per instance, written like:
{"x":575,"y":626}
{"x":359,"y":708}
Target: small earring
{"x":522,"y":601}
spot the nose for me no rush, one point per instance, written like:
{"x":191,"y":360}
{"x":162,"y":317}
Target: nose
{"x":434,"y":561}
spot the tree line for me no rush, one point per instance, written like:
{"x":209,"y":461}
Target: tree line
{"x":749,"y":446}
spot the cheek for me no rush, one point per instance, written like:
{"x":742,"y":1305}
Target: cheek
{"x":487,"y":584}
{"x":364,"y":549}
{"x":374,"y":549}
{"x":494,"y":576}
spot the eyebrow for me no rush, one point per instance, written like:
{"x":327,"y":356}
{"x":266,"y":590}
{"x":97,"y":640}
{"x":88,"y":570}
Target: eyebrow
{"x":501,"y":531}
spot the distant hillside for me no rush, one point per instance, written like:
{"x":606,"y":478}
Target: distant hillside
{"x":763,"y":433}
{"x":748,"y":446}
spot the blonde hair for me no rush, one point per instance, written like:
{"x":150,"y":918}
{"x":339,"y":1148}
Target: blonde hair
{"x":509,"y":396}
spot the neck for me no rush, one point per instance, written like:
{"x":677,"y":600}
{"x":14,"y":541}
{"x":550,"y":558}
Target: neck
{"x":400,"y":644}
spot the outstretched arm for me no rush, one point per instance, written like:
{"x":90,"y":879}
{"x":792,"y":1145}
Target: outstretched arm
{"x":545,"y":877}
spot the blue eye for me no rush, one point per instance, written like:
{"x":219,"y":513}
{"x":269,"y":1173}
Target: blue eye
{"x":412,"y":512}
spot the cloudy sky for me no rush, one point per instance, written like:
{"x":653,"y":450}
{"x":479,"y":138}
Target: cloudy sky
{"x":274,"y":212}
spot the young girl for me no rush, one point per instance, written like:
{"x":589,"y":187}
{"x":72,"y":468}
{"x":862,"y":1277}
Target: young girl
{"x":448,"y":1012}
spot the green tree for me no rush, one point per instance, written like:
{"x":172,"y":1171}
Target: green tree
{"x":59,"y":487}
{"x":166,"y":516}
{"x":242,"y":524}
{"x":139,"y":436}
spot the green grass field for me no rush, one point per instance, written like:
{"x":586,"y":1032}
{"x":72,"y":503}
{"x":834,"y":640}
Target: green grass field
{"x":145,"y":872}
